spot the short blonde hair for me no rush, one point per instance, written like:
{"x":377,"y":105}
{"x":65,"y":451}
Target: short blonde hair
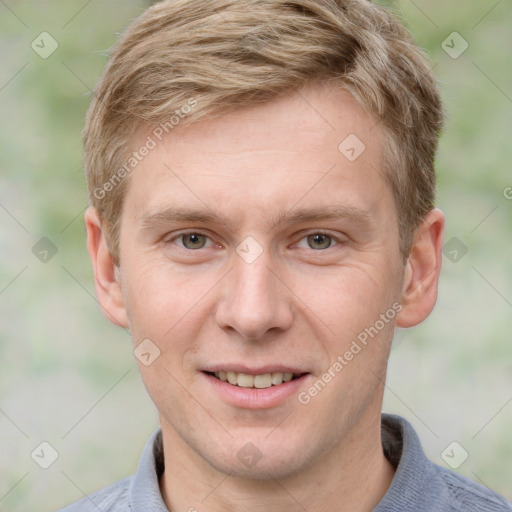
{"x":186,"y":60}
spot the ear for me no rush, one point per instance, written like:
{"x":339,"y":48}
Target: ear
{"x":419,"y":293}
{"x":106,"y":274}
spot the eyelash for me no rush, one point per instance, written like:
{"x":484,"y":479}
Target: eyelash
{"x":335,"y":240}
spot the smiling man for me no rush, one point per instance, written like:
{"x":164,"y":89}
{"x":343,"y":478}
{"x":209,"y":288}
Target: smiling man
{"x":262,"y":218}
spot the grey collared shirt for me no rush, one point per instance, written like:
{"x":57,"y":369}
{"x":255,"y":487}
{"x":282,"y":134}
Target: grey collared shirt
{"x":418,"y":485}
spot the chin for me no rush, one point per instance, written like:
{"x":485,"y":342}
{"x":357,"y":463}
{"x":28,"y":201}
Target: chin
{"x":262,"y":460}
{"x":263,"y":470}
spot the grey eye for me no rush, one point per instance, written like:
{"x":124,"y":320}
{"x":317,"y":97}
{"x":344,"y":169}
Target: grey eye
{"x":193,"y":240}
{"x":319,"y":241}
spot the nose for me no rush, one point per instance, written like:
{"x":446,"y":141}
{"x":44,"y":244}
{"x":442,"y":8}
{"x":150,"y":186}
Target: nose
{"x":254,"y":300}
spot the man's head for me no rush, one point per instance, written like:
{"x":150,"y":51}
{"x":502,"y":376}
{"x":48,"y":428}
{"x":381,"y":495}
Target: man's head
{"x":288,"y":233}
{"x":186,"y":60}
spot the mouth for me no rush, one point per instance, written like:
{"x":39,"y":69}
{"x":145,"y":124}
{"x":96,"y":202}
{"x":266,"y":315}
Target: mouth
{"x":261,"y":381}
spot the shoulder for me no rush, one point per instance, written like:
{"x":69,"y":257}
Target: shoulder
{"x":468,"y":496}
{"x":139,"y":492}
{"x":423,"y":486}
{"x":110,"y":499}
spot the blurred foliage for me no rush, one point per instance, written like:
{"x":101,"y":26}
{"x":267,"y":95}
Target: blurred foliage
{"x":59,"y":356}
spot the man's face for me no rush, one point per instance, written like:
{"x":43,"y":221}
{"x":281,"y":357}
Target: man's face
{"x":252,"y":244}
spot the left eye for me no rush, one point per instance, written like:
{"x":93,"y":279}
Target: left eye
{"x":193,"y":240}
{"x":318,"y":241}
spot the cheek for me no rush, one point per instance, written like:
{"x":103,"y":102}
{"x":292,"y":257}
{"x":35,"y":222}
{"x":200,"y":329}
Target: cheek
{"x":154,"y":297}
{"x":168,"y":306}
{"x":348,"y":298}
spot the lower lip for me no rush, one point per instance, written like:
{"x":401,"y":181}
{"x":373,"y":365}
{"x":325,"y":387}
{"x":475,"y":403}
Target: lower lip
{"x":254,"y":398}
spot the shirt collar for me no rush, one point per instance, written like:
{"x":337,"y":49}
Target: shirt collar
{"x":145,"y":492}
{"x":414,"y":471}
{"x":400,"y":443}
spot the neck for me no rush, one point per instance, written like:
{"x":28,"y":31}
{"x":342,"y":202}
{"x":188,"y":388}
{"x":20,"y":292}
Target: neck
{"x":353,"y":476}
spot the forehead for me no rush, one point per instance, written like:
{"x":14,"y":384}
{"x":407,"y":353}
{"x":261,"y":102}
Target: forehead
{"x":317,"y":117}
{"x":315,"y":147}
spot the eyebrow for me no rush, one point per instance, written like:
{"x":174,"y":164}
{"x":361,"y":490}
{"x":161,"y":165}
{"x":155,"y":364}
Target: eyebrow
{"x":293,"y":216}
{"x":335,"y":212}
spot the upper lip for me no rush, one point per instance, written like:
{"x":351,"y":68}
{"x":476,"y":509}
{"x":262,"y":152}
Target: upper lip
{"x":255,"y":370}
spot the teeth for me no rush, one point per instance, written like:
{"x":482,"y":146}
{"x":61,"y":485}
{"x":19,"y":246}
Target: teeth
{"x":245,"y":381}
{"x":254,"y":381}
{"x":263,"y":381}
{"x":277,"y":378}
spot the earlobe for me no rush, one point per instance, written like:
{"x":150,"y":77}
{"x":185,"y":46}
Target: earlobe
{"x":106,"y":275}
{"x":422,"y":271}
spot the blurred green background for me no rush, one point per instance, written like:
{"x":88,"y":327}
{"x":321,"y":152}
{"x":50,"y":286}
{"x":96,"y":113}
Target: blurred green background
{"x":68,"y":377}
